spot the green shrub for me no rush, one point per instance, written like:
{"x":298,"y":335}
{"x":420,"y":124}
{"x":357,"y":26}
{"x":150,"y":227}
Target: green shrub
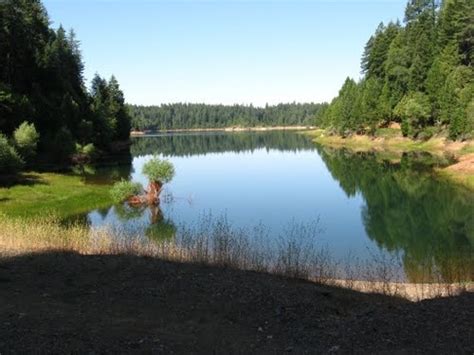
{"x":427,"y":133}
{"x":10,"y":160}
{"x":26,"y":139}
{"x":87,"y":149}
{"x":84,"y":153}
{"x":414,"y":111}
{"x":124,"y":189}
{"x":158,"y":170}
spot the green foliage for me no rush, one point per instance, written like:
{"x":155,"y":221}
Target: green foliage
{"x":427,"y":133}
{"x":26,"y":139}
{"x":158,"y":170}
{"x":413,"y":111}
{"x":370,"y":100}
{"x":84,"y":153}
{"x":456,"y":26}
{"x":419,"y":74}
{"x":10,"y":160}
{"x":184,"y":116}
{"x":442,"y":66}
{"x":88,"y":149}
{"x":376,"y":50}
{"x":455,"y":98}
{"x":41,"y":77}
{"x":125,"y":189}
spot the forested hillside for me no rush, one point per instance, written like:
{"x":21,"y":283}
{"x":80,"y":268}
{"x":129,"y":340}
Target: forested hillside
{"x":420,"y":74}
{"x":42,"y":84}
{"x":183,"y":116}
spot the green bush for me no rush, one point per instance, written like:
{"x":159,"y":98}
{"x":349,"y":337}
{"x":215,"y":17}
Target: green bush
{"x":414,"y":111}
{"x":427,"y":133}
{"x":10,"y":160}
{"x":124,"y":189}
{"x":158,"y":170}
{"x":84,"y":153}
{"x":87,"y":149}
{"x":26,"y":139}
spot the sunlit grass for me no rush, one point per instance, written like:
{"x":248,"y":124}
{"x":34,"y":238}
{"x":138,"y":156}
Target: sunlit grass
{"x":44,"y":194}
{"x":467,"y":149}
{"x":388,"y":132}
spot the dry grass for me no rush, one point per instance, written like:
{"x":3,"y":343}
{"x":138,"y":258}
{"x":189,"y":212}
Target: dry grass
{"x":297,"y":255}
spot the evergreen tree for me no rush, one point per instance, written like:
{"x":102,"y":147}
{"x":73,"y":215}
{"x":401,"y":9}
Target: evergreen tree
{"x":414,"y":112}
{"x":41,"y":79}
{"x":442,"y":66}
{"x":420,"y":74}
{"x":370,"y":101}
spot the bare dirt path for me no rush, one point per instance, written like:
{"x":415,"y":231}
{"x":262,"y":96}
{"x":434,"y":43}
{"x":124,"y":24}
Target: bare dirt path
{"x":65,"y":302}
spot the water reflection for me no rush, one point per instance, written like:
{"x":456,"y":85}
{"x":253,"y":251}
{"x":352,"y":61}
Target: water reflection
{"x":156,"y":226}
{"x":406,"y":209}
{"x":188,"y":144}
{"x":390,"y":202}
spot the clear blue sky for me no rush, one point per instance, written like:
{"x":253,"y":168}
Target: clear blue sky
{"x":224,"y":51}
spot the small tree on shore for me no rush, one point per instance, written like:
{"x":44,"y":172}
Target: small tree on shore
{"x":10,"y":160}
{"x":26,"y":140}
{"x":158,"y":172}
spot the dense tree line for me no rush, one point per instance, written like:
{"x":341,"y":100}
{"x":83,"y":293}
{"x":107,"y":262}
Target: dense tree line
{"x":420,"y":74}
{"x":41,"y":82}
{"x":184,"y":116}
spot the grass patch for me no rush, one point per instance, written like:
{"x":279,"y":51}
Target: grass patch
{"x":388,"y":132}
{"x":43,"y":194}
{"x":467,"y":149}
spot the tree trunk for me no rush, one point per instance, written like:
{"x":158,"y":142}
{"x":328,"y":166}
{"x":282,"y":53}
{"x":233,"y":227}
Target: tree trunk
{"x":153,"y":193}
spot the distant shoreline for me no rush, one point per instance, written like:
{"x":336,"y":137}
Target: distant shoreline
{"x":225,"y":129}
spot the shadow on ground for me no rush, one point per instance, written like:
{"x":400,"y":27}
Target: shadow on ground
{"x":21,"y":179}
{"x":65,"y":302}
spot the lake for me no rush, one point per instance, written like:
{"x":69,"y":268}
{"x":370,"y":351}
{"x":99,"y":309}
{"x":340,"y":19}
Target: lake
{"x":365,"y":206}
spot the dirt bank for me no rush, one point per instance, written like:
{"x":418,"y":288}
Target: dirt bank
{"x":65,"y":302}
{"x":464,"y":165}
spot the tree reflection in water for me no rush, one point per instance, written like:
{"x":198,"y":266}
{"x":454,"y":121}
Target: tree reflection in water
{"x":407,"y":209}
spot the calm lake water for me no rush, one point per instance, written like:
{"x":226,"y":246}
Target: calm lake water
{"x":365,"y":203}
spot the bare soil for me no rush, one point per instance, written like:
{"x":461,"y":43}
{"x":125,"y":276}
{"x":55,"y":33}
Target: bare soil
{"x":464,"y":165}
{"x":70,"y":303}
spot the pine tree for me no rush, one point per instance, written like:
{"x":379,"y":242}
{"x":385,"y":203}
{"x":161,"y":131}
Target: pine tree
{"x":442,"y":66}
{"x":370,"y":99}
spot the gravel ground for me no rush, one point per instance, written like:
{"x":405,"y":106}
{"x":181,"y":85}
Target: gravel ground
{"x":69,"y":303}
